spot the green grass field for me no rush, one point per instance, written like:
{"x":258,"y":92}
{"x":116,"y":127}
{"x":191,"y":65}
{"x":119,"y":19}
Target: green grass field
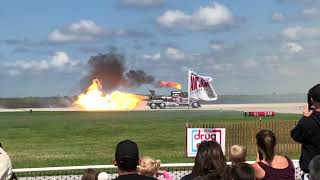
{"x":42,"y":139}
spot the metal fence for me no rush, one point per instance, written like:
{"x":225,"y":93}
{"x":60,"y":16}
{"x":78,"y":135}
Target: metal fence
{"x":177,"y":170}
{"x":74,"y":172}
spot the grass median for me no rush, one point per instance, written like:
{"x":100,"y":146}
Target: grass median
{"x":42,"y":139}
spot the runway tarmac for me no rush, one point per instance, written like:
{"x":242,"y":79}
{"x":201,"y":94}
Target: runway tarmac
{"x":295,"y":108}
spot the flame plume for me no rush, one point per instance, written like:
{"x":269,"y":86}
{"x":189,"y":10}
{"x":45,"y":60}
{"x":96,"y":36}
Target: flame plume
{"x":171,"y":84}
{"x":95,"y":100}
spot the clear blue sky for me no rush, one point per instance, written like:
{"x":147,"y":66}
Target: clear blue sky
{"x":248,"y":47}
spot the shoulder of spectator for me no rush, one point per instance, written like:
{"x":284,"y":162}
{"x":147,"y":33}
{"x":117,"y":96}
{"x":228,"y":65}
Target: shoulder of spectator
{"x":302,"y":123}
{"x":258,"y":171}
{"x":307,"y":122}
{"x":303,"y":119}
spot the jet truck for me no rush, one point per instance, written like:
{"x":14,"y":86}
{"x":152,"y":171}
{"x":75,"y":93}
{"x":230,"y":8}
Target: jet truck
{"x":176,"y":99}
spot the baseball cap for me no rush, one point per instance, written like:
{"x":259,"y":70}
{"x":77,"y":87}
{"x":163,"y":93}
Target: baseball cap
{"x":127,"y":149}
{"x":315,"y":92}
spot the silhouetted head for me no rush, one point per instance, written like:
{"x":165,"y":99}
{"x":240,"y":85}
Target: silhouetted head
{"x":127,"y":155}
{"x":314,"y":168}
{"x":209,"y":159}
{"x":314,"y":93}
{"x":237,"y":154}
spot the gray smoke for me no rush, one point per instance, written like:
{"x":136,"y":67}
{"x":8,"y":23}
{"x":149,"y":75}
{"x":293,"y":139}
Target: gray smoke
{"x":110,"y":69}
{"x":137,"y":78}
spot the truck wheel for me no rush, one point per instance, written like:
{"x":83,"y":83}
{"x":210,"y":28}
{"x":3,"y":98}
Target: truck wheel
{"x":162,"y":105}
{"x":153,"y":106}
{"x":195,"y":105}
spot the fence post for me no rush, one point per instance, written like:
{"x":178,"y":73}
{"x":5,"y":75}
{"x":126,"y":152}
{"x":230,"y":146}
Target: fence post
{"x":186,"y":138}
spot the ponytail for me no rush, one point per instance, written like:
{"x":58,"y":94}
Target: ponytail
{"x":157,"y":164}
{"x":266,"y":142}
{"x":269,"y":150}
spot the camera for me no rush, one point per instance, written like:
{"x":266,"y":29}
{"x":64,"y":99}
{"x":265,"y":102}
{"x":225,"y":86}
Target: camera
{"x":260,"y":156}
{"x":310,"y":104}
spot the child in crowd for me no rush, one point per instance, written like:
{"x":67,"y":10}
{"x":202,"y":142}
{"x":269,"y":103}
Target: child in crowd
{"x":242,"y":171}
{"x":14,"y":177}
{"x":150,"y":167}
{"x":237,"y":154}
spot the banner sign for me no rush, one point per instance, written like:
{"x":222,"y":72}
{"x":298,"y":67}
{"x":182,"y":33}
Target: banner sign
{"x":200,"y":87}
{"x":260,"y":113}
{"x":196,"y":135}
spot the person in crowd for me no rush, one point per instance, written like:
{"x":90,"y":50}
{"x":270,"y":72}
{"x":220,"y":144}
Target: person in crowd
{"x":307,"y":131}
{"x":127,"y":159}
{"x":13,"y":177}
{"x":150,"y":167}
{"x":104,"y":176}
{"x":270,"y":166}
{"x":5,"y":166}
{"x":209,"y":176}
{"x":314,"y":168}
{"x":90,"y":174}
{"x":242,"y":171}
{"x":209,"y":162}
{"x":237,"y":154}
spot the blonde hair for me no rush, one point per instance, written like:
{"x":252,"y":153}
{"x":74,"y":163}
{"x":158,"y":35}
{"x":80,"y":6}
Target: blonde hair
{"x":237,"y":154}
{"x":149,"y":166}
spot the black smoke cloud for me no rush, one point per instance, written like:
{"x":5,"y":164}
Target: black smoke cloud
{"x":110,"y":69}
{"x":138,"y":77}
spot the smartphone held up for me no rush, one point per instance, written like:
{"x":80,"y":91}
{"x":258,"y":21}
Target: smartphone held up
{"x":310,"y":104}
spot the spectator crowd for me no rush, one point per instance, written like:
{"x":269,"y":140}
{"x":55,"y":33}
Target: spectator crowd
{"x":211,"y":164}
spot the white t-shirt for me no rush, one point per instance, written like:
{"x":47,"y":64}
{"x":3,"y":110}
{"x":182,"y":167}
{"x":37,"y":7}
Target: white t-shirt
{"x":5,"y":166}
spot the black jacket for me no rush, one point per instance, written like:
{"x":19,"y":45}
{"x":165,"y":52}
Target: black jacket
{"x":188,"y":177}
{"x":307,"y":132}
{"x":134,"y":177}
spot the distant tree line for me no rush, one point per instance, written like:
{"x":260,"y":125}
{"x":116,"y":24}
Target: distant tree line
{"x":36,"y":102}
{"x":263,"y":98}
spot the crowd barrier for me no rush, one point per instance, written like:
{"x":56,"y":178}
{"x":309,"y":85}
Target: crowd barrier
{"x":177,"y":170}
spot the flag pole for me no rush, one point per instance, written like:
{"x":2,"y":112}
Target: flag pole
{"x":189,"y":79}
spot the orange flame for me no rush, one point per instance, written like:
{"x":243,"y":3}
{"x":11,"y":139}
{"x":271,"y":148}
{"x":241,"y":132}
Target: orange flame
{"x":95,"y":100}
{"x":170,"y":84}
